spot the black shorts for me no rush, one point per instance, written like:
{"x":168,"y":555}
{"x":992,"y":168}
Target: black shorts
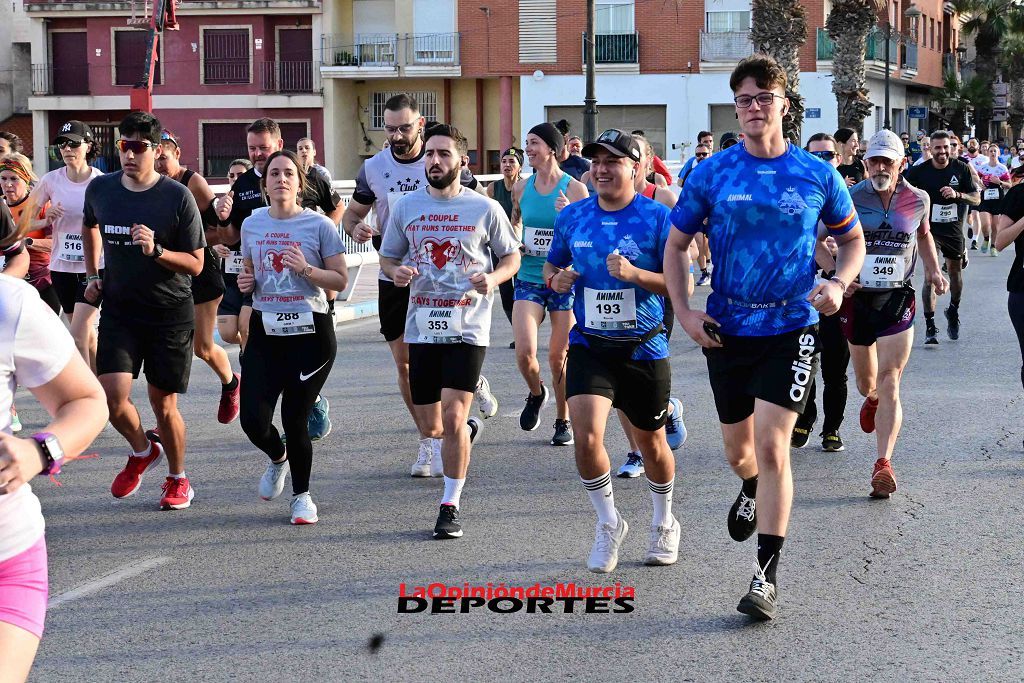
{"x":867,"y":316}
{"x":231,"y":304}
{"x":165,"y":354}
{"x":392,"y":305}
{"x":70,"y":289}
{"x":778,"y":369}
{"x":950,"y":242}
{"x":639,"y":388}
{"x":209,"y":284}
{"x":433,"y":367}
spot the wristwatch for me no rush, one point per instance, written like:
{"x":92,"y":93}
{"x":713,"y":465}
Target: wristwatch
{"x":53,"y":454}
{"x":306,"y":272}
{"x":158,"y":251}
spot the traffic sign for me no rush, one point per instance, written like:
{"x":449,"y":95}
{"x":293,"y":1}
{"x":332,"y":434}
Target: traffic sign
{"x":919,"y":112}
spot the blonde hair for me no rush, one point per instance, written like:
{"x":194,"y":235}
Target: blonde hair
{"x":22,"y":167}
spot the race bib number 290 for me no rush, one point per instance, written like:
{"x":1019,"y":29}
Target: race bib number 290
{"x":944,"y":213}
{"x":288,"y":324}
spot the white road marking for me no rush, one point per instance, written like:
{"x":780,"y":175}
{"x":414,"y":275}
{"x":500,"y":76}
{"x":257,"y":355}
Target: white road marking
{"x":99,"y":584}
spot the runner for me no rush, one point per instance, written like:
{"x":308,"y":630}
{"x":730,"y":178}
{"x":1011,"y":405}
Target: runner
{"x":851,"y":168}
{"x":382,"y":180}
{"x":64,"y":190}
{"x":536,"y":201}
{"x":878,"y":312}
{"x":701,"y":153}
{"x":609,"y":247}
{"x":438,"y":243}
{"x":995,"y":178}
{"x":305,"y":148}
{"x":151,"y":235}
{"x":573,"y":164}
{"x":38,"y":353}
{"x":14,"y":257}
{"x":16,"y":180}
{"x":291,"y":254}
{"x":951,"y":189}
{"x":227,"y":325}
{"x":762,"y":202}
{"x":1011,"y":231}
{"x":237,"y":169}
{"x":501,"y":192}
{"x":208,"y":286}
{"x":10,"y":143}
{"x":705,"y":139}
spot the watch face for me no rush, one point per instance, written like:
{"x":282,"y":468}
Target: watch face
{"x":53,"y":447}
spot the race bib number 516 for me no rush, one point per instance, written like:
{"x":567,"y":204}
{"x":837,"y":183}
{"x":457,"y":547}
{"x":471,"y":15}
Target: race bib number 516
{"x":69,"y":248}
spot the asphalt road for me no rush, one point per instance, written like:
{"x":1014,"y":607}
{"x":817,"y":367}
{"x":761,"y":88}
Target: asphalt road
{"x":925,"y":586}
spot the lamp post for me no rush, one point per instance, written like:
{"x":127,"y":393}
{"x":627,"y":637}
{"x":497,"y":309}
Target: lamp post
{"x":590,"y":98}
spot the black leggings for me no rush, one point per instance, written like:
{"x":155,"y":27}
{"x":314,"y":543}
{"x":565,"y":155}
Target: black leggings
{"x":277,"y":367}
{"x":49,"y":297}
{"x":507,"y":291}
{"x":835,"y":359}
{"x":1015,"y":304}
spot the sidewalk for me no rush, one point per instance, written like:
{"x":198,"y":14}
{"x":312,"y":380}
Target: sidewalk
{"x":363,"y":303}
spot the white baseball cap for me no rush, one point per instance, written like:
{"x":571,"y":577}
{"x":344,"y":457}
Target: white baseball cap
{"x":886,"y":144}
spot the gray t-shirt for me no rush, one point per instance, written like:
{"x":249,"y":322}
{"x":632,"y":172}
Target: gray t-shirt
{"x":264,"y":239}
{"x":447,"y":241}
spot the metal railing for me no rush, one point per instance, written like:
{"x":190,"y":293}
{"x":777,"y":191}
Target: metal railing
{"x":949,"y":62}
{"x":826,"y":48}
{"x":48,"y":79}
{"x":725,"y":47}
{"x":391,"y":49}
{"x":908,"y":56}
{"x":875,"y":48}
{"x":614,"y":48}
{"x":432,"y":48}
{"x":289,"y":77}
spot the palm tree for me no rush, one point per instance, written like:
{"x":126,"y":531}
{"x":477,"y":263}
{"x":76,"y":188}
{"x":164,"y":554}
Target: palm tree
{"x":779,"y":29}
{"x":849,"y":24}
{"x":958,"y":98}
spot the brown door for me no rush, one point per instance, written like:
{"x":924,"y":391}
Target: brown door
{"x":70,"y":63}
{"x":295,"y":60}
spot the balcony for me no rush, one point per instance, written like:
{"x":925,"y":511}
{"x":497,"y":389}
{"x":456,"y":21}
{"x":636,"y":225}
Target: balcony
{"x":949,"y":64}
{"x":826,"y":48}
{"x":387,"y":55}
{"x":48,"y":79}
{"x":908,"y":60}
{"x":902,"y":53}
{"x":614,"y":48}
{"x":289,"y":78}
{"x":726,"y":47}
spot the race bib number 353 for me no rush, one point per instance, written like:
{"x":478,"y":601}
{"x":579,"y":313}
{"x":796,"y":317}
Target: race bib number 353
{"x":288,"y":324}
{"x":439,"y":325}
{"x":610,"y":309}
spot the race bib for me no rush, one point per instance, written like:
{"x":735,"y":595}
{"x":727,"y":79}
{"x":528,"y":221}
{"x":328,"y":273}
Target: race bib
{"x":882,"y":271}
{"x":610,"y":309}
{"x":288,"y":324}
{"x":234,"y":263}
{"x":944,"y":213}
{"x":69,"y":248}
{"x":992,"y":193}
{"x":439,"y":325}
{"x":537,"y":241}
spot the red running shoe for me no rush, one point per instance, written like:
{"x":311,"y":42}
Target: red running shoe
{"x":178,"y":494}
{"x":867,"y":415}
{"x":883,"y":479}
{"x":129,"y":479}
{"x":229,"y":403}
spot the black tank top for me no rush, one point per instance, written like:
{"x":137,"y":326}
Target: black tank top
{"x":186,"y":176}
{"x":503,"y":196}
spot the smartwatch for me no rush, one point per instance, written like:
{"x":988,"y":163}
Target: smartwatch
{"x":158,"y":251}
{"x":53,"y":454}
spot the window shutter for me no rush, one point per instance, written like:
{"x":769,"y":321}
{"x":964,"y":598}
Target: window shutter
{"x":538,"y":31}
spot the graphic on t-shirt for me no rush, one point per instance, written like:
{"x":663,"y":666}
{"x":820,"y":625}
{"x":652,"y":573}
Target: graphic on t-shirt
{"x":792,"y":203}
{"x":271,"y":261}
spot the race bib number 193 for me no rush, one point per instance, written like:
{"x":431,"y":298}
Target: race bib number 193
{"x":610,"y":309}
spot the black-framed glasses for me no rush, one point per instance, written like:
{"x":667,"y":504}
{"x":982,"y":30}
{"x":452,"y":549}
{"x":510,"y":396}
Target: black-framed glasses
{"x":702,"y":155}
{"x":763,"y":99}
{"x":825,"y":155}
{"x":66,"y":144}
{"x":404,"y":129}
{"x":134,"y":146}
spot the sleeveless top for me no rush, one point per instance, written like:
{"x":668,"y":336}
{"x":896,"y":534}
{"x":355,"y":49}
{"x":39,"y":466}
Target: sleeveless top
{"x":538,"y":227}
{"x":649,"y":190}
{"x":503,"y":196}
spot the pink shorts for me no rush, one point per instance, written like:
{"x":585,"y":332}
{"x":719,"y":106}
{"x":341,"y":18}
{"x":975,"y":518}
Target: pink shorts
{"x":25,"y":588}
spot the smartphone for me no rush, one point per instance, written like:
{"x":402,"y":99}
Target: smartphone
{"x":713,"y":331}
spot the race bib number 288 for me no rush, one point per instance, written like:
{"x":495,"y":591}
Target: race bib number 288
{"x":288,"y":324}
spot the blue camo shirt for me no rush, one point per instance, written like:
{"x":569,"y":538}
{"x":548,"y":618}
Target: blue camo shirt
{"x":585,"y":234}
{"x":762,"y":217}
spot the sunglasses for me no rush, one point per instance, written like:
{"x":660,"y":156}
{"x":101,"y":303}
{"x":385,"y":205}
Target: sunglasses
{"x":66,"y":144}
{"x":701,"y":155}
{"x":827,"y":156}
{"x":167,"y":137}
{"x":135,"y":146}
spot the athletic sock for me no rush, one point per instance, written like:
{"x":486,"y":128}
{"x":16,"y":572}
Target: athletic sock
{"x":750,"y":487}
{"x":661,"y":496}
{"x":602,"y":498}
{"x":929,"y":315}
{"x":142,"y":454}
{"x":452,"y":491}
{"x":768,"y":550}
{"x":177,"y":476}
{"x":232,"y":385}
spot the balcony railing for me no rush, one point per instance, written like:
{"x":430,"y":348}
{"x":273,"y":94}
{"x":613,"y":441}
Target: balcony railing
{"x":949,"y":63}
{"x":289,"y":77}
{"x":826,"y":48}
{"x":908,"y":56}
{"x":368,"y":49}
{"x":725,"y":47}
{"x":875,"y":49}
{"x":49,"y":79}
{"x":614,"y":48}
{"x":428,"y":49}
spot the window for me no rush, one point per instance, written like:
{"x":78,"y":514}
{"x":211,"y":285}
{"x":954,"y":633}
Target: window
{"x":427,"y":101}
{"x":130,"y":57}
{"x":931,"y":24}
{"x":225,"y":142}
{"x":226,"y":56}
{"x":613,"y":17}
{"x":728,"y":22}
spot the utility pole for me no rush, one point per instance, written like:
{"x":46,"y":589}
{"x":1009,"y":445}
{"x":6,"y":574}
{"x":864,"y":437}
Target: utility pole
{"x":590,"y":99}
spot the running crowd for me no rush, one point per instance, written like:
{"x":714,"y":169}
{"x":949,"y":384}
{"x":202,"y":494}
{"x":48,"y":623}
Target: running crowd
{"x":594,"y":240}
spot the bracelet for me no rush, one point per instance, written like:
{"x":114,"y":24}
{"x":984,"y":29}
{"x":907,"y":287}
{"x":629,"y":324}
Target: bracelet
{"x":550,"y":278}
{"x":839,"y":282}
{"x":92,"y":278}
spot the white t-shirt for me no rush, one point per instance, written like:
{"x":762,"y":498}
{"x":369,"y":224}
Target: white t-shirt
{"x":34,"y":348}
{"x":68,"y":255}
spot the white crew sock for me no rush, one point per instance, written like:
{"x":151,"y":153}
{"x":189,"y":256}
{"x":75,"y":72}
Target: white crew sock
{"x":176,"y":476}
{"x":661,"y":495}
{"x":601,"y":496}
{"x":150,"y":445}
{"x":452,"y":491}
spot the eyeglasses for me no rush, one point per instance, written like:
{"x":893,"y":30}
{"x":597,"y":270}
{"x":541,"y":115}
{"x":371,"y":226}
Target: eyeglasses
{"x":701,"y":155}
{"x":135,"y":146}
{"x":66,"y":144}
{"x":764,"y":99}
{"x":404,"y":129}
{"x":827,"y":156}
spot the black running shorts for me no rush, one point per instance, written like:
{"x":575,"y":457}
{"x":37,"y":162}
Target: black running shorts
{"x":70,"y":288}
{"x":949,"y":242}
{"x":392,"y":305}
{"x":164,"y":354}
{"x":209,"y":284}
{"x":433,"y":367}
{"x":778,"y":369}
{"x":867,"y":316}
{"x":639,"y":388}
{"x":231,"y":304}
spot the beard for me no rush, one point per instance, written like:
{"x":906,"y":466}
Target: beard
{"x":447,"y":180}
{"x":881,"y":182}
{"x":400,"y":147}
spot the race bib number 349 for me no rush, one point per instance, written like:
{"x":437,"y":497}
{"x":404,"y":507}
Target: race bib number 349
{"x":610,"y":309}
{"x":882,"y":271}
{"x":288,"y":324}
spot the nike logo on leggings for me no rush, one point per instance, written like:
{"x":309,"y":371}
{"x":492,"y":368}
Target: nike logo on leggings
{"x":303,"y":376}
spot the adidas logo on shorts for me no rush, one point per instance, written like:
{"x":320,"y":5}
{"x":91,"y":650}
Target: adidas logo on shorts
{"x":802,"y":368}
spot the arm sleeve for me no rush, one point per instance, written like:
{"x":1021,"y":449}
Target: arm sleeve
{"x":838,"y":213}
{"x":191,"y":235}
{"x":395,"y":244}
{"x":363,"y":194}
{"x":42,"y":345}
{"x":692,"y":207}
{"x":559,"y":253}
{"x":330,"y":240}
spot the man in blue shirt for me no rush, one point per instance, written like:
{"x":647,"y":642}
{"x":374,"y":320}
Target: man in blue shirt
{"x":762,"y":200}
{"x":610,"y":247}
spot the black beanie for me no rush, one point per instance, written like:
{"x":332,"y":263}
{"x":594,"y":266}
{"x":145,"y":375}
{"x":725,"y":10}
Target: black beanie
{"x":549,"y":134}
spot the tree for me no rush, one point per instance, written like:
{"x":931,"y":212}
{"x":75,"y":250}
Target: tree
{"x":848,"y":26}
{"x":958,"y":98}
{"x":779,"y":29}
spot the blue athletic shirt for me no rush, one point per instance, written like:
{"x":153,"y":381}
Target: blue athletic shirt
{"x":762,"y":217}
{"x":585,"y":234}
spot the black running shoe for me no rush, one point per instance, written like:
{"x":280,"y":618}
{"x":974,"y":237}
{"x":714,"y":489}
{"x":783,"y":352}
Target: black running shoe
{"x":742,"y":518}
{"x":476,"y":427}
{"x":831,"y":442}
{"x":761,"y":600}
{"x":953,"y":322}
{"x":563,"y":434}
{"x":974,"y":245}
{"x":964,"y":262}
{"x":931,"y":332}
{"x":448,"y":523}
{"x":529,"y":419}
{"x":799,"y":437}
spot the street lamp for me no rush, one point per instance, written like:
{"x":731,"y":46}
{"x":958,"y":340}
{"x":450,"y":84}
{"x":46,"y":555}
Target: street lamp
{"x":912,"y":13}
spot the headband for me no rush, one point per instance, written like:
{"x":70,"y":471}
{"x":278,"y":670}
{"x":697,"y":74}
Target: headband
{"x":17,"y":169}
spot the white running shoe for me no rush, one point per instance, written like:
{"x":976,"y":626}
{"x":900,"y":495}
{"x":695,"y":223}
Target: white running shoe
{"x":272,"y":481}
{"x":486,"y":402}
{"x":604,"y":556}
{"x":664,"y":545}
{"x":436,"y":462}
{"x":476,"y":428}
{"x":303,"y":509}
{"x":421,"y":468}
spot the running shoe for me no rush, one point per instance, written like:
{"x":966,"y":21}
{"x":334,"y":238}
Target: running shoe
{"x":529,"y":419}
{"x":742,"y":518}
{"x":675,"y":430}
{"x":867,"y":415}
{"x":831,"y":442}
{"x":633,"y":467}
{"x":303,"y":509}
{"x":227,"y":412}
{"x":129,"y":479}
{"x":799,"y":437}
{"x":563,"y":434}
{"x":953,"y":322}
{"x":984,"y":247}
{"x":476,"y":428}
{"x":15,"y":421}
{"x":663,"y":548}
{"x":761,"y":600}
{"x":178,"y":494}
{"x":421,"y":468}
{"x":272,"y":481}
{"x":436,"y":461}
{"x":883,"y":479}
{"x":448,"y":523}
{"x":993,"y":251}
{"x":154,"y":435}
{"x":485,"y":400}
{"x":604,"y":556}
{"x":705,"y":279}
{"x":931,"y":332}
{"x":974,"y":245}
{"x":319,"y":424}
{"x":512,"y":345}
{"x":964,"y":262}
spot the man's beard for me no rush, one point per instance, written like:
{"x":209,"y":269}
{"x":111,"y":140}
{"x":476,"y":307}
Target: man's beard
{"x":401,"y":147}
{"x":881,"y":182}
{"x":444,"y":181}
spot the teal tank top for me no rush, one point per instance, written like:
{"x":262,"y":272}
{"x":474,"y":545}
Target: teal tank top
{"x":538,"y":227}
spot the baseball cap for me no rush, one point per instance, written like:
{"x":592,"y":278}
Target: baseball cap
{"x":618,"y":142}
{"x":886,"y":144}
{"x":75,"y":131}
{"x":728,"y":140}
